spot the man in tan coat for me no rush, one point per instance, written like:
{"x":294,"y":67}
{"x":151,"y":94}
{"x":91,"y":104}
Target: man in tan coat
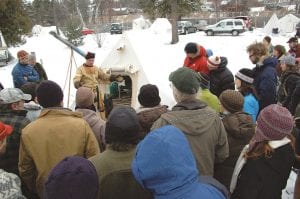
{"x":58,"y":132}
{"x":89,"y":75}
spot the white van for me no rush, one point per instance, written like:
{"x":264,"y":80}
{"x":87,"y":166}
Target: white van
{"x":206,"y":8}
{"x":231,"y":26}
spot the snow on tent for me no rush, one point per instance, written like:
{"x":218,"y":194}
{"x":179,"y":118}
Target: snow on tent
{"x":287,"y":24}
{"x":134,"y":58}
{"x":272,"y":24}
{"x":161,"y":25}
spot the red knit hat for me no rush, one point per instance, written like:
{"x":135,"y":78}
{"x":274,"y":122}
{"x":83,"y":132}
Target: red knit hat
{"x":5,"y":130}
{"x":21,"y":54}
{"x":274,"y":123}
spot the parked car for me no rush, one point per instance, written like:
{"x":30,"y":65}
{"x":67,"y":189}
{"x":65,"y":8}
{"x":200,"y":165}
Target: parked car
{"x":247,"y":20}
{"x":231,"y":26}
{"x":185,"y":27}
{"x":116,"y":28}
{"x":200,"y":25}
{"x":87,"y":31}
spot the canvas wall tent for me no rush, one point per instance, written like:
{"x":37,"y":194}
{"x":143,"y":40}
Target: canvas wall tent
{"x":288,"y":23}
{"x":272,"y":23}
{"x":133,"y":56}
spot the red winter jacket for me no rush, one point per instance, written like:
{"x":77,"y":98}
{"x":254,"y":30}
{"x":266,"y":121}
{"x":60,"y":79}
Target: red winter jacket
{"x":198,"y":63}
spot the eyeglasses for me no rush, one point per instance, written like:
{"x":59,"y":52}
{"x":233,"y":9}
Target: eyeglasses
{"x":251,"y":56}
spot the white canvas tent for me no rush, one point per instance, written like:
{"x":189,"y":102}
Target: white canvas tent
{"x":288,"y":23}
{"x":272,"y":23}
{"x":132,"y":56}
{"x":161,"y":25}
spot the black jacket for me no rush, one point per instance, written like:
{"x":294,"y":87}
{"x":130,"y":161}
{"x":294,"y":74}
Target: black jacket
{"x":221,"y":79}
{"x":264,"y":178}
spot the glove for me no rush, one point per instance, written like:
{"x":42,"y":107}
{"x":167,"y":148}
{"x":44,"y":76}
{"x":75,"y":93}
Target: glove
{"x":77,"y":85}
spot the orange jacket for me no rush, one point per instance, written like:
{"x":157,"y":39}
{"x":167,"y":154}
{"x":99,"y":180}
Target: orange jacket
{"x":198,"y":63}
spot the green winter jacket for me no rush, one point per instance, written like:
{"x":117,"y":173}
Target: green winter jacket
{"x":210,"y":99}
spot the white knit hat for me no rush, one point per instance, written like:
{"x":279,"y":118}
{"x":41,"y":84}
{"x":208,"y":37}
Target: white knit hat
{"x":213,"y":62}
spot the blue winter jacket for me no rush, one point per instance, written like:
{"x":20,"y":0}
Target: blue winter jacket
{"x":165,"y":165}
{"x":20,"y":71}
{"x":251,"y":106}
{"x":265,"y":82}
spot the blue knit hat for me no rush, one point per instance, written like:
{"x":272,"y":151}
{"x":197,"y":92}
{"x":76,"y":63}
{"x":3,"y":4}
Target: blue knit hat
{"x":73,"y":177}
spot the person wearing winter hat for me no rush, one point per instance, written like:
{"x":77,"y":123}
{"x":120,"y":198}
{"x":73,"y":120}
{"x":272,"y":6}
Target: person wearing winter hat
{"x":12,"y":113}
{"x":244,"y":84}
{"x":195,"y":57}
{"x":294,"y":47}
{"x":201,"y":124}
{"x":289,"y":80}
{"x":89,"y":75}
{"x":39,"y":153}
{"x":150,"y":109}
{"x":22,"y":71}
{"x":74,"y":177}
{"x":85,"y":105}
{"x":264,"y":165}
{"x":240,"y":129}
{"x":220,"y":76}
{"x":37,"y":66}
{"x":264,"y":74}
{"x":205,"y":95}
{"x":31,"y":106}
{"x":10,"y":183}
{"x":172,"y":172}
{"x":122,"y":133}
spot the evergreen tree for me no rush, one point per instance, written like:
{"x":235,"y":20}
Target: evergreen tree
{"x":14,"y":21}
{"x":73,"y":31}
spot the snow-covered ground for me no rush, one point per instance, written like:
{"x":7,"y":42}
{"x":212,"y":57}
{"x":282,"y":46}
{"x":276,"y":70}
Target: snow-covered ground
{"x":152,"y":48}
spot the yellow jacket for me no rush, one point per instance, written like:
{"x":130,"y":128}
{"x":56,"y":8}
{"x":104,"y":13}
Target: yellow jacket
{"x":57,"y":133}
{"x":90,"y":76}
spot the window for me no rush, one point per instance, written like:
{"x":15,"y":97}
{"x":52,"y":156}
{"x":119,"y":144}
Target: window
{"x":229,"y":23}
{"x":238,"y":23}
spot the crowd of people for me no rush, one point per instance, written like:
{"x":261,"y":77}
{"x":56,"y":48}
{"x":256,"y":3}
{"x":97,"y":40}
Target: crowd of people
{"x":228,"y":135}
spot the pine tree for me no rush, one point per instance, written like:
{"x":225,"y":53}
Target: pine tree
{"x":73,"y":31}
{"x":14,"y":21}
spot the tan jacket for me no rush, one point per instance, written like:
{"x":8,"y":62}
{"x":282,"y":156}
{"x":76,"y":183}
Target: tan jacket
{"x":90,"y":76}
{"x":57,"y":133}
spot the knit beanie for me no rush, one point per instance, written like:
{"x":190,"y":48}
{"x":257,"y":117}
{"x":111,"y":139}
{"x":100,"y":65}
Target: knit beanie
{"x":185,"y":80}
{"x":149,"y":95}
{"x":49,"y":94}
{"x":245,"y":75}
{"x":273,"y":123}
{"x":5,"y":130}
{"x":232,"y":100}
{"x":191,"y":48}
{"x":122,"y":126}
{"x":84,"y":97}
{"x":73,"y":177}
{"x":213,"y":62}
{"x":204,"y":80}
{"x":21,"y":54}
{"x":90,"y":55}
{"x":10,"y":185}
